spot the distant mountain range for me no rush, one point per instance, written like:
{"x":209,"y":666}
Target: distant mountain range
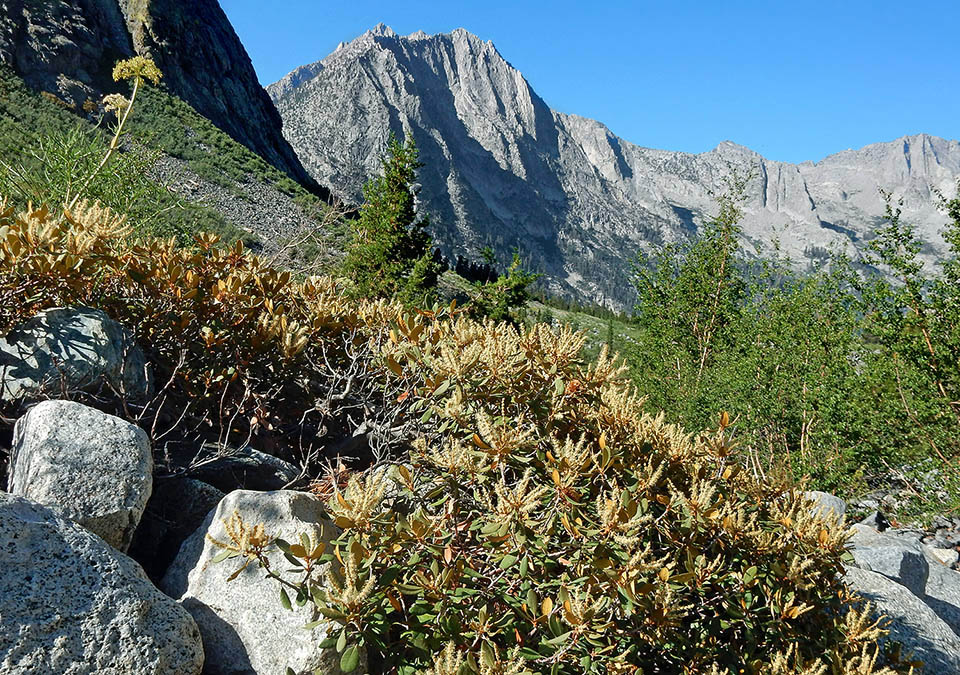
{"x":503,"y":169}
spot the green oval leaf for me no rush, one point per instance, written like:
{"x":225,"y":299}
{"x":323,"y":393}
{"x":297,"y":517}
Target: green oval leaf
{"x":350,"y":659}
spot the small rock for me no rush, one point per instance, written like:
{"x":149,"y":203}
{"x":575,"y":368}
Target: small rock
{"x":94,"y":468}
{"x":244,"y":468}
{"x":245,"y":629}
{"x":940,"y":522}
{"x":877,"y":521}
{"x":897,"y":558}
{"x":69,"y":603}
{"x":70,"y":349}
{"x":943,"y":556}
{"x":937,"y":542}
{"x":826,"y":504}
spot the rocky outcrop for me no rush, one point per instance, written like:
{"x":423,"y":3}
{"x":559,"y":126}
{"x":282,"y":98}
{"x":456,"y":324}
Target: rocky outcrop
{"x":68,"y":48}
{"x":942,"y":591}
{"x":69,"y":349}
{"x":232,"y":615}
{"x":94,"y":468}
{"x":502,"y":168}
{"x":912,"y":622}
{"x":899,"y":559}
{"x":913,"y":585}
{"x":69,"y":603}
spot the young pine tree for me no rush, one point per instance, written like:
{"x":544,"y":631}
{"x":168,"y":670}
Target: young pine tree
{"x":391,"y":254}
{"x":505,"y":298}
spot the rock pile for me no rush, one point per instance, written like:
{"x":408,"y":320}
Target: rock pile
{"x":914,"y":585}
{"x":82,"y":491}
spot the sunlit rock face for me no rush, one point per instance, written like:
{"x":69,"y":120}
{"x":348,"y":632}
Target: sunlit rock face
{"x":503,"y":169}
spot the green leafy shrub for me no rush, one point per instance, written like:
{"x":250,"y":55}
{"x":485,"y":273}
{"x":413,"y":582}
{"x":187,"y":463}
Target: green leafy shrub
{"x":548,"y":524}
{"x":507,"y":297}
{"x":539,"y":520}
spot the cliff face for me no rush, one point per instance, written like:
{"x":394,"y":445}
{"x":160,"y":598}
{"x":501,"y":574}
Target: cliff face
{"x":69,"y":47}
{"x":502,"y":168}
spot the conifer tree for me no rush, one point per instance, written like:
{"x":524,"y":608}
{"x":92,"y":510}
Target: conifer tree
{"x":391,"y":254}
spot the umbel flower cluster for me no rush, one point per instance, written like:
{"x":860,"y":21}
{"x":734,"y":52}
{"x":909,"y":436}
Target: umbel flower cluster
{"x":538,"y":519}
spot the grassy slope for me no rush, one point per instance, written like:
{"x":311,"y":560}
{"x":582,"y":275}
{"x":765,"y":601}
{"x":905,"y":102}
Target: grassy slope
{"x":165,"y":122}
{"x":30,"y":122}
{"x":161,"y":123}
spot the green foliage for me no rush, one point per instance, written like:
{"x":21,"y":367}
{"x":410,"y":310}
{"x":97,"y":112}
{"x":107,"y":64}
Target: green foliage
{"x":47,"y":153}
{"x":689,"y":295}
{"x":546,"y":524}
{"x":391,"y":254}
{"x":913,"y":325}
{"x":165,"y":122}
{"x":505,"y":298}
{"x":841,"y":375}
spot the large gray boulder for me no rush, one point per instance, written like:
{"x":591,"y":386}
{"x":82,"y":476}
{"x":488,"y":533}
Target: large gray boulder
{"x":69,"y":349}
{"x":912,"y":623}
{"x":245,"y":629}
{"x":69,"y":603}
{"x":943,"y":591}
{"x":94,"y":468}
{"x":898,"y":558}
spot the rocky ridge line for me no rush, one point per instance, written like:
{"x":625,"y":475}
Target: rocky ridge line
{"x":503,"y":169}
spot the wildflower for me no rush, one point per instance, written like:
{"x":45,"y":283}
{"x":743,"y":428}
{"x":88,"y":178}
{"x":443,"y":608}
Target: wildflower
{"x":138,"y":68}
{"x":117,"y":103}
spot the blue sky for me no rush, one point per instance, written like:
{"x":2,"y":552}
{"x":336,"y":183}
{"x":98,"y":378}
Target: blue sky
{"x":793,"y":81}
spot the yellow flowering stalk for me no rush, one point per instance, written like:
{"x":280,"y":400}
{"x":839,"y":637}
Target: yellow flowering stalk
{"x":138,"y":69}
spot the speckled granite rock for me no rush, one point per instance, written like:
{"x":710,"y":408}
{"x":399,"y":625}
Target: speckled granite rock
{"x":69,"y":349}
{"x":232,"y":614}
{"x":94,"y":468}
{"x":69,"y":603}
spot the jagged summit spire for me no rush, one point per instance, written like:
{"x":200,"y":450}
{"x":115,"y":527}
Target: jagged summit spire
{"x":383,"y":30}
